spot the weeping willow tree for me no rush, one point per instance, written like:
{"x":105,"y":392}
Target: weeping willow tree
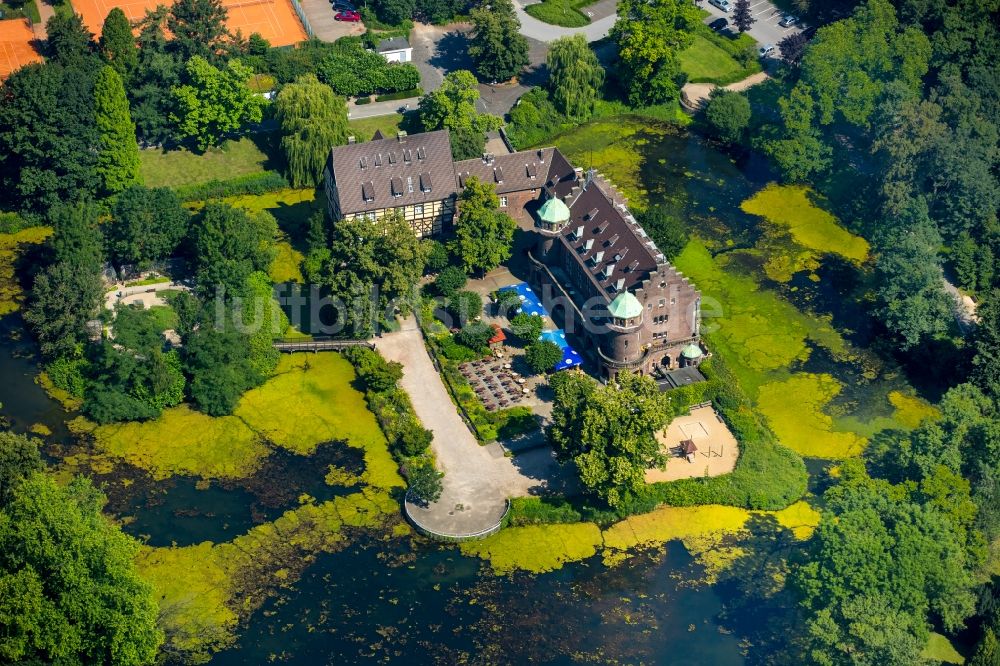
{"x":312,"y":120}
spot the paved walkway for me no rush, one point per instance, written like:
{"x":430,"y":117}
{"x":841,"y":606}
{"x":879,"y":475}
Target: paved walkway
{"x":380,"y":109}
{"x":695,"y":95}
{"x":546,"y":32}
{"x":478,"y":479}
{"x":145,"y":294}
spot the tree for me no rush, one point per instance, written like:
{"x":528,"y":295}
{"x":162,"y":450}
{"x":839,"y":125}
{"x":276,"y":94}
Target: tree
{"x":414,"y":439}
{"x":198,"y":28}
{"x":466,"y":305}
{"x":728,"y":113}
{"x":667,"y":230}
{"x":117,"y":44}
{"x":68,"y":42}
{"x":134,"y":383}
{"x":497,"y":47}
{"x":69,"y":589}
{"x":48,"y":137}
{"x":215,"y":102}
{"x":377,"y":374}
{"x":575,"y":76}
{"x":483,"y":235}
{"x":475,"y":335}
{"x":988,"y":650}
{"x":449,"y":280}
{"x":394,"y":12}
{"x":146,"y":225}
{"x":118,"y":153}
{"x":437,"y":255}
{"x":911,"y":299}
{"x":19,"y":459}
{"x":229,"y":244}
{"x":543,"y":355}
{"x":218,"y":361}
{"x":453,"y":107}
{"x":792,"y":47}
{"x":609,"y":432}
{"x":425,"y":481}
{"x":366,"y":256}
{"x":527,"y":327}
{"x":986,"y":362}
{"x":312,"y":121}
{"x":649,"y":37}
{"x":742,"y":16}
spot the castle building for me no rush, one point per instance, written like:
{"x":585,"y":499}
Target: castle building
{"x":598,"y":273}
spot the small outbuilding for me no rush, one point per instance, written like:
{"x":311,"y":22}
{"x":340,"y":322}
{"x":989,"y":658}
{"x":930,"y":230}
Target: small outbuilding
{"x":395,"y":49}
{"x":496,"y":342}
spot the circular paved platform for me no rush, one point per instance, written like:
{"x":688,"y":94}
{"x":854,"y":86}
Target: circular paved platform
{"x":456,"y":517}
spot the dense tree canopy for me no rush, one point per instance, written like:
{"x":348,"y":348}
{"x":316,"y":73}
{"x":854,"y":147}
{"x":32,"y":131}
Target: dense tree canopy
{"x":609,"y":432}
{"x":728,"y":113}
{"x":19,"y":459}
{"x":229,"y":244}
{"x":484,"y":235}
{"x":117,"y":44}
{"x":497,"y":47}
{"x":453,"y":107}
{"x":69,"y":590}
{"x":214,"y":102}
{"x":146,"y":225}
{"x":117,"y":153}
{"x":649,"y":36}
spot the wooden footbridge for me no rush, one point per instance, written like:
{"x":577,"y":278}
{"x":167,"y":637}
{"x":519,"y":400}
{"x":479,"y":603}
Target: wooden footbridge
{"x":292,"y":345}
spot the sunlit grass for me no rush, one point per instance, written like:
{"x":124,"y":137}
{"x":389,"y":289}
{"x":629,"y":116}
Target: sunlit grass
{"x":172,"y":168}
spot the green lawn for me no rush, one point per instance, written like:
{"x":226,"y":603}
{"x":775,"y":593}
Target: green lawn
{"x":704,"y":62}
{"x":174,"y":168}
{"x":364,"y":128}
{"x":560,"y":12}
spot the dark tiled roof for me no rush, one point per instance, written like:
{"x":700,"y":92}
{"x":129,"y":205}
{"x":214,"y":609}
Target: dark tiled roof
{"x":513,"y":172}
{"x":609,"y":246}
{"x":393,"y":44}
{"x":385,"y":173}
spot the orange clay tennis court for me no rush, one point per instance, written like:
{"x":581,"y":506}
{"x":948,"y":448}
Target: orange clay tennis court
{"x":274,"y":20}
{"x":17,"y":46}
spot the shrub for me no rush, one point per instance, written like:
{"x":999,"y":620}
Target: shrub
{"x":437,"y":255}
{"x":535,"y":510}
{"x":508,"y":301}
{"x":543,"y":355}
{"x":402,"y":94}
{"x":363,"y":100}
{"x":728,"y":113}
{"x":375,"y":372}
{"x":424,"y":480}
{"x":454,"y":351}
{"x":254,"y":183}
{"x":527,"y":327}
{"x":450,"y":280}
{"x":475,"y":335}
{"x":68,"y":374}
{"x":414,"y":439}
{"x":466,"y":306}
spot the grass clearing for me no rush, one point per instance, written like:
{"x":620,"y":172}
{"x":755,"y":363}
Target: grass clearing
{"x":309,"y":400}
{"x":11,"y":247}
{"x":287,"y":264}
{"x":172,"y":168}
{"x":940,"y":649}
{"x":792,"y":207}
{"x":794,"y":408}
{"x":704,"y":62}
{"x":565,"y":13}
{"x":364,"y":129}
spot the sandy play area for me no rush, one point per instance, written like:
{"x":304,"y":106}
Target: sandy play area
{"x":717,"y":448}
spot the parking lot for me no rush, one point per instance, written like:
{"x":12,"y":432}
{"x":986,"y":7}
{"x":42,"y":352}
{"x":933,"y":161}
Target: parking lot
{"x":765,"y":30}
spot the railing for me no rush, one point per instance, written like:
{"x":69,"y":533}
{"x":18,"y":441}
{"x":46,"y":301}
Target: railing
{"x":302,"y":17}
{"x":293,"y":345}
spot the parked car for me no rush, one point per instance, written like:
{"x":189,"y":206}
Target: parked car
{"x":765,"y":50}
{"x":340,"y":5}
{"x":719,"y":24}
{"x":787,"y":21}
{"x":348,"y":16}
{"x":721,"y":4}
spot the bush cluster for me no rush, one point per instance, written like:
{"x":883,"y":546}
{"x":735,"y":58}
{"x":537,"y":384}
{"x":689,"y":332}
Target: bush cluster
{"x":254,"y":183}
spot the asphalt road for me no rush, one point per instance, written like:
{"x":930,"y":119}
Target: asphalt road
{"x":765,"y":30}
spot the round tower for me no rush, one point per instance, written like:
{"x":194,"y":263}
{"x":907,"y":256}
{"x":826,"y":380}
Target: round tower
{"x":622,"y":342}
{"x":552,"y":219}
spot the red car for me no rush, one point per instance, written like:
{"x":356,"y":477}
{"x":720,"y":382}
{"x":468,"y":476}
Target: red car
{"x":350,"y":17}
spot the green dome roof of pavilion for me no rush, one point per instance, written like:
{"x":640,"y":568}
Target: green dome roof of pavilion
{"x":554,"y":211}
{"x":692,"y":351}
{"x":625,"y":306}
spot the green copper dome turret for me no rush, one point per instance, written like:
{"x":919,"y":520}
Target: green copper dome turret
{"x":625,"y":306}
{"x":554,"y":211}
{"x":692,"y":351}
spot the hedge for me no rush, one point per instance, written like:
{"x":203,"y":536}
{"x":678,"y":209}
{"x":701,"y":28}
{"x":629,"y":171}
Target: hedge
{"x":403,"y":94}
{"x":254,"y":183}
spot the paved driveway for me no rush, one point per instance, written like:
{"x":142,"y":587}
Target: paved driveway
{"x":766,"y":29}
{"x":320,"y":14}
{"x":477,"y":479}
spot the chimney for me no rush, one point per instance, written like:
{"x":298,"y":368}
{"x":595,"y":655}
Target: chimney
{"x":541,"y":156}
{"x":351,"y":140}
{"x":590,"y":177}
{"x":401,"y":136}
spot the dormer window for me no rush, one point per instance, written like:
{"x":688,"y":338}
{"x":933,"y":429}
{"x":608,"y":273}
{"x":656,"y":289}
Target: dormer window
{"x":498,"y":174}
{"x":368,"y":191}
{"x":378,"y":159}
{"x":409,"y":184}
{"x":407,"y":156}
{"x":532,"y":171}
{"x":578,"y":233}
{"x":363,"y":163}
{"x":421,"y":154}
{"x":592,"y":214}
{"x":396,"y":184}
{"x":589,"y":244}
{"x":425,"y":182}
{"x":392,"y":157}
